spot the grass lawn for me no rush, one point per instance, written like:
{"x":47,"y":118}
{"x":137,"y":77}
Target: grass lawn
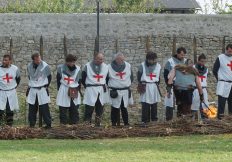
{"x":187,"y":148}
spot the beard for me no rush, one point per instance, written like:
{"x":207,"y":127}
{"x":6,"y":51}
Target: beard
{"x":71,"y":68}
{"x":5,"y":65}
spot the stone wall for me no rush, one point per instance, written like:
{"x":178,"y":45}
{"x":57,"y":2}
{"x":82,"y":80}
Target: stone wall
{"x":131,"y":34}
{"x":117,"y":25}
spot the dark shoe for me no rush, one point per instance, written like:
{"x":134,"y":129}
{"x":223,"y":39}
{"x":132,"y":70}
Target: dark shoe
{"x":220,"y":116}
{"x":143,"y":125}
{"x":47,"y":127}
{"x":9,"y":124}
{"x":32,"y":126}
{"x":126,"y":124}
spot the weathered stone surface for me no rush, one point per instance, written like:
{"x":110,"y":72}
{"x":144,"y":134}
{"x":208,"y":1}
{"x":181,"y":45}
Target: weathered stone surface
{"x":130,"y":30}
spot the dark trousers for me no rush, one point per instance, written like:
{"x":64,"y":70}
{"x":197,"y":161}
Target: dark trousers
{"x":149,"y":112}
{"x":73,"y":114}
{"x":183,"y":109}
{"x":7,"y":116}
{"x":169,"y":113}
{"x":44,"y":109}
{"x":115,"y":115}
{"x":184,"y":101}
{"x":222,"y":104}
{"x":89,"y":112}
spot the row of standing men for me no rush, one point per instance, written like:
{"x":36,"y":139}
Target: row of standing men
{"x":186,"y":87}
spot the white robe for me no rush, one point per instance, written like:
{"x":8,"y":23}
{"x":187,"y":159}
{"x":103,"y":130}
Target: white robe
{"x":12,"y":99}
{"x":91,"y":93}
{"x":224,"y":73}
{"x":124,"y":81}
{"x":196,"y":97}
{"x":203,"y":78}
{"x":169,"y":100}
{"x":41,"y":93}
{"x":62,"y":96}
{"x":7,"y":88}
{"x":122,"y":94}
{"x":151,"y":95}
{"x":43,"y":97}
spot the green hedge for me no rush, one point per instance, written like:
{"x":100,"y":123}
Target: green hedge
{"x":77,"y":6}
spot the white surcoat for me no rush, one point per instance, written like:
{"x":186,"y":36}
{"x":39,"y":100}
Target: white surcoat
{"x":95,"y":84}
{"x":8,"y":86}
{"x":120,"y":80}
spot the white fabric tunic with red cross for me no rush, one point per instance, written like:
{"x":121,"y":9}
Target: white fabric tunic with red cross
{"x":151,"y":95}
{"x":120,"y":80}
{"x":8,"y":86}
{"x":92,"y":92}
{"x":68,"y":81}
{"x":203,"y":78}
{"x":224,"y":76}
{"x":37,"y":83}
{"x":196,"y":97}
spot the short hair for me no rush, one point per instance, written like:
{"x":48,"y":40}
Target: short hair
{"x":7,"y":56}
{"x":70,"y":58}
{"x":35,"y":55}
{"x":229,"y":46}
{"x":151,"y":55}
{"x":181,"y":49}
{"x":188,"y":61}
{"x":202,"y":56}
{"x":117,"y":54}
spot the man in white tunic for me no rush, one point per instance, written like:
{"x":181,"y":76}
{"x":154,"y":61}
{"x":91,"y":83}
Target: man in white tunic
{"x":203,"y":76}
{"x":148,"y":78}
{"x":119,"y":81}
{"x":222,"y":70}
{"x":68,"y":85}
{"x":9,"y":80}
{"x":94,"y":80}
{"x":178,"y":58}
{"x":39,"y":75}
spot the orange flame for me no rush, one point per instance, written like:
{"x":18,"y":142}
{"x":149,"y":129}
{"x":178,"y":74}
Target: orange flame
{"x":210,"y":112}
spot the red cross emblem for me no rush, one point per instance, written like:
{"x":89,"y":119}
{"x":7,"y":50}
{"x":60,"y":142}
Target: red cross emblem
{"x":202,"y":78}
{"x":8,"y":78}
{"x":98,"y":77}
{"x":69,"y":80}
{"x":152,"y":76}
{"x":230,"y":65}
{"x":120,"y":74}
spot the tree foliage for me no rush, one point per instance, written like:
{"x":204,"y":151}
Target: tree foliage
{"x":222,"y":6}
{"x":43,"y":6}
{"x":135,"y":6}
{"x":78,"y":6}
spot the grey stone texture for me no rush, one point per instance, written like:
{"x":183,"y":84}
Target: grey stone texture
{"x":132,"y":34}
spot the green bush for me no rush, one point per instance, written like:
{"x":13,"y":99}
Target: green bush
{"x":78,"y":6}
{"x":43,"y":6}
